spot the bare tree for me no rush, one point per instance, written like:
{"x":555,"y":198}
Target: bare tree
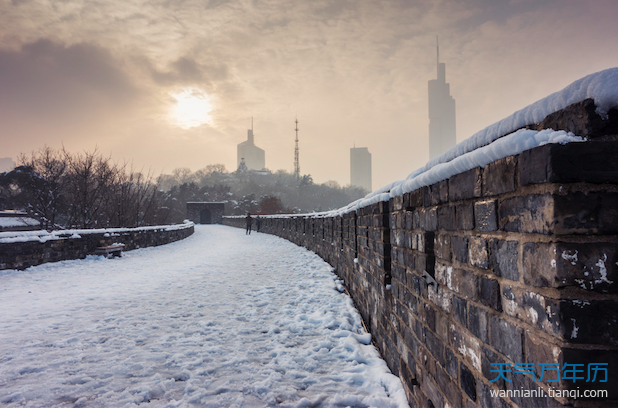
{"x":44,"y":185}
{"x":89,"y":178}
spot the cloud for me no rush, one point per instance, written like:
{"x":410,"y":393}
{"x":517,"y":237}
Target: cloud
{"x":46,"y":81}
{"x":185,"y":70}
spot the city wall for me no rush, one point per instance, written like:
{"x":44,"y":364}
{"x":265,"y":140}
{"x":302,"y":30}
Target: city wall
{"x":513,"y":263}
{"x":77,"y":244}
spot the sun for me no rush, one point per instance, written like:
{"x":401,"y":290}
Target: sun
{"x":192,"y":108}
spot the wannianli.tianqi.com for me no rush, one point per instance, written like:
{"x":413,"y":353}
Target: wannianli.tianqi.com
{"x":550,"y":392}
{"x":594,"y":372}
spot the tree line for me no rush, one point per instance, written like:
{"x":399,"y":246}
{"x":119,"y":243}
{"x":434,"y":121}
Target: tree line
{"x":90,"y":190}
{"x":80,"y":190}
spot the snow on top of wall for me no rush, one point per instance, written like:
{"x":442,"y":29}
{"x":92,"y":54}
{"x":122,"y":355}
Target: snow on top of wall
{"x":9,"y":222}
{"x":512,"y":144}
{"x":490,"y":144}
{"x":43,"y":235}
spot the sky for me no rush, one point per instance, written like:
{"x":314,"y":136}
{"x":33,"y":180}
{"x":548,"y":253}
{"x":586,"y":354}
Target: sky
{"x":175,"y":83}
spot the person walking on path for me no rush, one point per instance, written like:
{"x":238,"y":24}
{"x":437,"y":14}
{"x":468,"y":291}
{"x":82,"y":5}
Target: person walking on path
{"x":249,"y":222}
{"x":258,"y":223}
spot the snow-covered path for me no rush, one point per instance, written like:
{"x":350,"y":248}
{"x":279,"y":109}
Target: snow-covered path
{"x":219,"y":319}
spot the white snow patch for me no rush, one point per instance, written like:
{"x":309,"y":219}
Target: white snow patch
{"x":575,"y":329}
{"x":602,"y":270}
{"x":43,"y":235}
{"x":567,"y":256}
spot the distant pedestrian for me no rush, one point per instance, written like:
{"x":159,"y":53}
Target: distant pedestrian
{"x":249,"y":222}
{"x":258,"y":223}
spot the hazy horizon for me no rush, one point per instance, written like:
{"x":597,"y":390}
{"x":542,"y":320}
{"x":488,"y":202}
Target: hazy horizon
{"x":175,"y":83}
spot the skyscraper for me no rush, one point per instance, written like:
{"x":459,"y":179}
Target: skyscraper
{"x":253,"y":155}
{"x":360,"y":167}
{"x":441,"y":112}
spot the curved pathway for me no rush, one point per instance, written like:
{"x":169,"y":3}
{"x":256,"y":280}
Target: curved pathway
{"x":220,"y":319}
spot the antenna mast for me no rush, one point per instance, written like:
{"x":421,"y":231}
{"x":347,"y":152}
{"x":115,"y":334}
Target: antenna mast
{"x":296,"y":162}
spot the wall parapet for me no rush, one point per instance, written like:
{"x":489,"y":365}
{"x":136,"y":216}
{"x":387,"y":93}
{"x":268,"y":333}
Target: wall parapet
{"x":515,"y":263}
{"x":20,"y":250}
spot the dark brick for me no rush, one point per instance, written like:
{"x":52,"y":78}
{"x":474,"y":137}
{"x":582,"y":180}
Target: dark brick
{"x":465,"y":283}
{"x":443,"y":191}
{"x":468,"y":382}
{"x":452,"y":363}
{"x":499,"y":176}
{"x":580,"y":328}
{"x":409,"y":217}
{"x":428,"y":240}
{"x":591,"y":267}
{"x":395,"y":203}
{"x":460,"y":310}
{"x":427,"y":196}
{"x":506,"y":338}
{"x":429,"y":219}
{"x":465,"y":216}
{"x":487,"y":359}
{"x":578,"y":356}
{"x":486,"y":400}
{"x":448,"y":387}
{"x":503,"y":258}
{"x":522,"y":382}
{"x":535,"y":165}
{"x":582,"y":162}
{"x":435,"y":346}
{"x":436,"y":193}
{"x":490,"y":293}
{"x":586,"y":213}
{"x":430,"y":389}
{"x":465,"y":185}
{"x":430,"y":316}
{"x":446,"y":218}
{"x":466,"y":345}
{"x":442,"y":323}
{"x":582,"y":118}
{"x":485,"y":215}
{"x":415,"y":199}
{"x":460,"y":248}
{"x":442,"y":246}
{"x":533,"y":213}
{"x":539,"y":350}
{"x":477,"y":252}
{"x":406,"y":201}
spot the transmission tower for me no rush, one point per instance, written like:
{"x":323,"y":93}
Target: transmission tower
{"x":296,"y":162}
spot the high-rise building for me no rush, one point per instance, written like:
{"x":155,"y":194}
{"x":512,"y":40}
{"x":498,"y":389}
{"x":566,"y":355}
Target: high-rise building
{"x":441,"y":113}
{"x":360,"y":167}
{"x":254,"y":156}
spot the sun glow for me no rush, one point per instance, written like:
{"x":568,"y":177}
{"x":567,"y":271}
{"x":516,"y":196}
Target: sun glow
{"x":192,"y":108}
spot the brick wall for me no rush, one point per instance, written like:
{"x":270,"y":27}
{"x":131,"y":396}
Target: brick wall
{"x":21,"y":255}
{"x":513,"y":263}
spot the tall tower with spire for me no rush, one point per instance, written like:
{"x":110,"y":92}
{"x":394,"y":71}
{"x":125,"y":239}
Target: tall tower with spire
{"x":253,"y":156}
{"x":442,"y":122}
{"x":296,"y":161}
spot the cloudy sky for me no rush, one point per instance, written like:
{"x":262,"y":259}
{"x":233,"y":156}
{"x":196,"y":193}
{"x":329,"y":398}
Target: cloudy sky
{"x":174,"y":83}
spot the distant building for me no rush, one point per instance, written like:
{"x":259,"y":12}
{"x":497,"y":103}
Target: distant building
{"x":205,"y":212}
{"x":254,"y":156}
{"x":6,"y":164}
{"x":360,"y":167}
{"x":441,"y":113}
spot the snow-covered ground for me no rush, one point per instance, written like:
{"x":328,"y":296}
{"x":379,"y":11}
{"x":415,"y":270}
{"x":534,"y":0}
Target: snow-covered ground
{"x":220,"y":319}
